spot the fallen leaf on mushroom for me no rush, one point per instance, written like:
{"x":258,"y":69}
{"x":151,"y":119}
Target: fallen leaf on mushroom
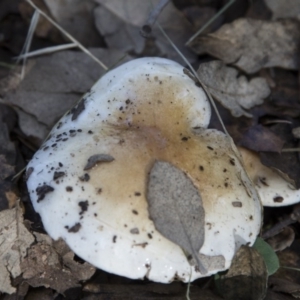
{"x":135,"y":183}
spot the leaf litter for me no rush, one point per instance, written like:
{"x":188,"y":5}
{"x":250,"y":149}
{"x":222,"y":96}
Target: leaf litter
{"x":234,"y":92}
{"x":253,"y":44}
{"x":248,"y":47}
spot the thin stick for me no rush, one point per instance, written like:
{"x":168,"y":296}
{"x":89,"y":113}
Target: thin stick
{"x":46,"y":50}
{"x":147,"y":28}
{"x":27,"y":44}
{"x":291,"y":150}
{"x":79,"y":45}
{"x":210,"y":21}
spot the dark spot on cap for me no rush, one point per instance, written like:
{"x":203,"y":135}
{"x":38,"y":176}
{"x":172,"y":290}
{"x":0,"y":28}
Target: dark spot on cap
{"x":84,"y":205}
{"x":251,"y":217}
{"x":78,"y":109}
{"x":97,"y":158}
{"x":263,"y":180}
{"x":232,"y":161}
{"x":127,"y":101}
{"x":99,"y":191}
{"x":226,"y":184}
{"x":59,"y":125}
{"x":150,"y":236}
{"x":60,"y":164}
{"x":201,"y":168}
{"x":29,"y":172}
{"x":75,"y":228}
{"x":137,"y":194}
{"x":57,"y":175}
{"x":224,"y":170}
{"x":278,"y":199}
{"x":210,"y":148}
{"x":45,"y":148}
{"x":114,"y":239}
{"x":90,"y":132}
{"x":237,"y":204}
{"x":41,"y":191}
{"x":184,"y":139}
{"x":85,"y":177}
{"x":135,"y":212}
{"x":69,"y":189}
{"x":134,"y":230}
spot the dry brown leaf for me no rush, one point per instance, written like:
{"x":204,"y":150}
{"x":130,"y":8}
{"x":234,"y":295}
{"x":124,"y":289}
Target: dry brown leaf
{"x":284,"y":8}
{"x":247,"y":277}
{"x":120,"y":22}
{"x":76,"y":17}
{"x":234,"y":92}
{"x":254,"y":44}
{"x":14,"y":242}
{"x":52,"y":86}
{"x":51,"y":264}
{"x":283,"y":239}
{"x":259,"y":138}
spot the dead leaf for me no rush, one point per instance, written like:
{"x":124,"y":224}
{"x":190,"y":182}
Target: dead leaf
{"x":8,"y":197}
{"x":51,"y":264}
{"x":233,"y":92}
{"x":175,"y":207}
{"x":283,"y":239}
{"x":254,"y":44}
{"x":150,"y":291}
{"x":120,"y":23}
{"x":285,"y":286}
{"x":246,"y":278}
{"x":284,"y":8}
{"x":52,"y":86}
{"x":259,"y":138}
{"x":14,"y":242}
{"x":76,"y":17}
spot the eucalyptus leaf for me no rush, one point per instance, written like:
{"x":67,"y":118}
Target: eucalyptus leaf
{"x":268,"y":254}
{"x":175,"y":206}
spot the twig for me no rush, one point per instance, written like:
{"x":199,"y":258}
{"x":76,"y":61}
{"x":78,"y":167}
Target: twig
{"x":71,"y":38}
{"x":291,"y":150}
{"x":46,"y":50}
{"x":27,"y":44}
{"x":288,"y":220}
{"x":147,"y":28}
{"x":210,"y":21}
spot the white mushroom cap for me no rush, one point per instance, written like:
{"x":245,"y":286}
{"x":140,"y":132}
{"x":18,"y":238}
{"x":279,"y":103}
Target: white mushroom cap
{"x":273,"y":189}
{"x":89,"y":179}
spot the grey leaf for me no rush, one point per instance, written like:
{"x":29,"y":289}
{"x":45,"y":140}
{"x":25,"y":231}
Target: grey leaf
{"x":175,"y":206}
{"x":233,"y":91}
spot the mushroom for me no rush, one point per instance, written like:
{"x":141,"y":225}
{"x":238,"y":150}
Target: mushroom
{"x":273,"y":188}
{"x":136,"y":185}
